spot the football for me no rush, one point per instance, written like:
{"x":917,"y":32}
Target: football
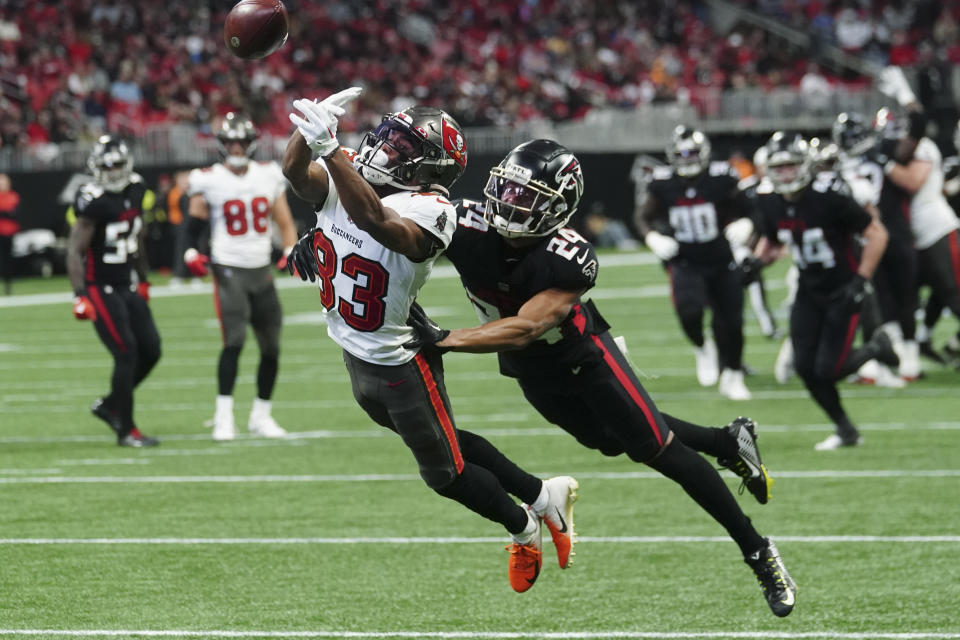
{"x":255,"y":28}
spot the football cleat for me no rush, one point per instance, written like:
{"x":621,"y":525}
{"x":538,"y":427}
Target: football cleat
{"x":747,"y":463}
{"x":927,"y":351}
{"x":100,"y":409}
{"x":778,"y":587}
{"x":909,"y":353}
{"x":708,"y":370}
{"x":265,"y":427}
{"x":883,"y":349}
{"x":732,"y":386}
{"x":136,"y":439}
{"x":558,"y":516}
{"x":833,"y":441}
{"x":223,"y":427}
{"x":526,"y":558}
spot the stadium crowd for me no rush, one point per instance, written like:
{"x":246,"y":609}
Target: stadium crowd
{"x":70,"y":69}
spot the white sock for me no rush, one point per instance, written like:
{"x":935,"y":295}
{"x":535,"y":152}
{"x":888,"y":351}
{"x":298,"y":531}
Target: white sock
{"x":526,"y":536}
{"x":539,"y":505}
{"x":261,"y":407}
{"x":224,"y":404}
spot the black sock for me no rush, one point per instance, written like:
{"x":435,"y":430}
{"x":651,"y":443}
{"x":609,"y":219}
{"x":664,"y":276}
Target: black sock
{"x":709,"y":440}
{"x":825,"y":394}
{"x":702,"y":483}
{"x":478,"y":490}
{"x":227,"y":370}
{"x":266,"y":376}
{"x":479,"y":451}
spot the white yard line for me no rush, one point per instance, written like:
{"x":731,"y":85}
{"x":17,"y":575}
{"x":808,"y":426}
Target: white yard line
{"x":397,"y":477}
{"x":465,"y":540}
{"x":490,"y":635}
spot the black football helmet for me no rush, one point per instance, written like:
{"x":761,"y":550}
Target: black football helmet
{"x":788,"y":162}
{"x":852,"y":135}
{"x":237,"y":128}
{"x":414,"y":149}
{"x":111,"y":163}
{"x":534,"y":190}
{"x":689,"y":151}
{"x":824,"y":154}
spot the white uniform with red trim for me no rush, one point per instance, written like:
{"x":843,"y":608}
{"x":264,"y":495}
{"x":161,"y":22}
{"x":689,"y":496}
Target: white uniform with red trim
{"x":367,"y":289}
{"x":931,"y":217}
{"x":240,"y":222}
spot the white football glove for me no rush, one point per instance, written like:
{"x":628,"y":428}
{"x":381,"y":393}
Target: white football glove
{"x":319,"y":124}
{"x":738,"y":232}
{"x":664,"y":247}
{"x":892,"y":83}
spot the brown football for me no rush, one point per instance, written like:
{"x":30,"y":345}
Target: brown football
{"x":255,"y":28}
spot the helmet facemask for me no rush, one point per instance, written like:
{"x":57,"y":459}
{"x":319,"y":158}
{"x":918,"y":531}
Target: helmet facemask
{"x":690,"y":152}
{"x":518,"y":206}
{"x":111,"y":166}
{"x":390,"y":154}
{"x":237,"y":129}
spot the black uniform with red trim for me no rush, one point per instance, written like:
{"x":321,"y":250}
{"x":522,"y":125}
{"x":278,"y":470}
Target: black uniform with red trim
{"x":124,"y":322}
{"x":694,"y":211}
{"x":574,"y":375}
{"x":821,"y":228}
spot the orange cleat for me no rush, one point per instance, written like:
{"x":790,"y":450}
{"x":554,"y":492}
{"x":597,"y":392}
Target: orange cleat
{"x":526,"y":558}
{"x":558,"y":516}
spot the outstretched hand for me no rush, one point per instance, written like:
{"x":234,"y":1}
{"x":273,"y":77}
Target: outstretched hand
{"x":318,"y":124}
{"x":302,"y":260}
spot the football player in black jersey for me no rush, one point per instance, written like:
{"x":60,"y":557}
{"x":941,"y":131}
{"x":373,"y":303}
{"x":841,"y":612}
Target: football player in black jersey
{"x":694,"y":212}
{"x":525,"y":273}
{"x":105,"y":249}
{"x":819,"y":220}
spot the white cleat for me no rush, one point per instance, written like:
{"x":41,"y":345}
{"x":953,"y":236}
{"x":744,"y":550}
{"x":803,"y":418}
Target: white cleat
{"x":887,"y":378}
{"x":223,"y":427}
{"x":265,"y":427}
{"x":558,"y":516}
{"x":732,"y":385}
{"x":834,"y":441}
{"x":708,"y":371}
{"x":783,"y":368}
{"x":909,"y":352}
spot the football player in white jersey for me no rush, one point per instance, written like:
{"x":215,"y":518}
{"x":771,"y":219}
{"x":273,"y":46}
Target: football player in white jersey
{"x":382,"y":220}
{"x":238,"y":197}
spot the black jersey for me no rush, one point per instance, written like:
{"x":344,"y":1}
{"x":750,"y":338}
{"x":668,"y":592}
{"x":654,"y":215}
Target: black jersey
{"x":499,"y":279}
{"x":118,"y":220}
{"x":820,"y":227}
{"x":695,"y":210}
{"x":893,"y":201}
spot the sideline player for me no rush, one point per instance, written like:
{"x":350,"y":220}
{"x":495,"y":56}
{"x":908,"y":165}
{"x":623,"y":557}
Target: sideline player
{"x":237,"y":197}
{"x":525,"y":273}
{"x":694,"y":213}
{"x":819,"y":220}
{"x":381,"y":223}
{"x":105,"y":249}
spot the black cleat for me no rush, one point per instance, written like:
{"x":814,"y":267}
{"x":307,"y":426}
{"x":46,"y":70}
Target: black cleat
{"x":778,"y":587}
{"x":927,"y":351}
{"x":100,"y":409}
{"x":747,"y":464}
{"x":136,"y":439}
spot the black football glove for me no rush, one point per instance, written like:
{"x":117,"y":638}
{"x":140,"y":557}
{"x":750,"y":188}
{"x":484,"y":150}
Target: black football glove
{"x":750,"y":268}
{"x":302,"y":260}
{"x":426,"y":332}
{"x":854,"y":293}
{"x":882,"y":152}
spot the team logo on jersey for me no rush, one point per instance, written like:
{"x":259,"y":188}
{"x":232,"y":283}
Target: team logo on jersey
{"x":570,"y":176}
{"x":691,"y":192}
{"x":453,"y":143}
{"x":590,"y":270}
{"x":441,"y":222}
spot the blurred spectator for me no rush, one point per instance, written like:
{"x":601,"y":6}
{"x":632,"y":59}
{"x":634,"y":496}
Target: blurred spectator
{"x":9,"y":226}
{"x":815,"y":90}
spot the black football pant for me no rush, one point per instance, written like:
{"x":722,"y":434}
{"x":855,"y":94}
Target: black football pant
{"x":6,"y":262}
{"x":896,"y":283}
{"x":940,"y":269}
{"x":411,"y":400}
{"x":823,"y":334}
{"x":719,"y":287}
{"x":602,"y":404}
{"x":126,"y":327}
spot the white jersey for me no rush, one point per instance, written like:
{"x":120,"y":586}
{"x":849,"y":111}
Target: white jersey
{"x":367,"y":289}
{"x":240,"y":205}
{"x":865,"y":180}
{"x":931,"y":217}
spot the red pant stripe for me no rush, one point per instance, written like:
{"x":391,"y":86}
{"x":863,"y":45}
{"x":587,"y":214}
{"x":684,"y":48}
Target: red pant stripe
{"x":440,"y":410}
{"x":103,"y":314}
{"x":628,"y":385}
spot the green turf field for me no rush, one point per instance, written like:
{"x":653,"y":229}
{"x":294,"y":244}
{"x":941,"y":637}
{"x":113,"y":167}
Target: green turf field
{"x":331,"y":534}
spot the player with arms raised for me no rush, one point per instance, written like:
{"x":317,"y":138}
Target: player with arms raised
{"x":238,"y":197}
{"x":525,"y":272}
{"x":105,"y":249}
{"x":382,"y":220}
